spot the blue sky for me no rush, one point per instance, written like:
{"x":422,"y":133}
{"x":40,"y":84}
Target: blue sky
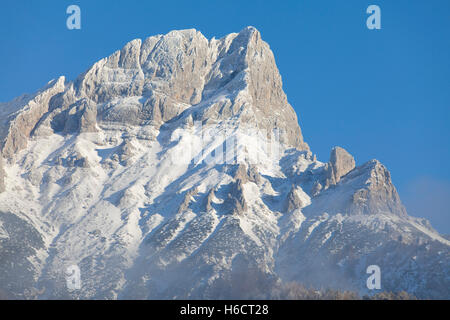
{"x":381,"y":94}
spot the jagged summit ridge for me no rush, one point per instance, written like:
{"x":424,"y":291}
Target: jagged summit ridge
{"x":163,"y":76}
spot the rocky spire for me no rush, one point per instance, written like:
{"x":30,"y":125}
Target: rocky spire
{"x":341,"y":163}
{"x":236,"y":198}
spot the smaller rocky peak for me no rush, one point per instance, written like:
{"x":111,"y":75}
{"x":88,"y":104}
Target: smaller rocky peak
{"x":372,"y":192}
{"x":342,"y":162}
{"x":377,"y":175}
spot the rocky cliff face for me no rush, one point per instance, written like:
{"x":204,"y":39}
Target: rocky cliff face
{"x":20,"y":117}
{"x":341,"y":163}
{"x":176,"y":165}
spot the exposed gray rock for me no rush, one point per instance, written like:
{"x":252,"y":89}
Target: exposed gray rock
{"x":341,"y":163}
{"x":75,"y":160}
{"x":247,"y":174}
{"x":241,"y":172}
{"x":187,"y":200}
{"x":293,"y":201}
{"x":378,"y":194}
{"x":366,"y":190}
{"x":88,"y":119}
{"x":254,"y":175}
{"x":236,"y":198}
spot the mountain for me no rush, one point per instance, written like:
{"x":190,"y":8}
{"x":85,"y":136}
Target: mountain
{"x":176,"y":168}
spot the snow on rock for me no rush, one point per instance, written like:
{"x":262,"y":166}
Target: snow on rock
{"x":177,"y":163}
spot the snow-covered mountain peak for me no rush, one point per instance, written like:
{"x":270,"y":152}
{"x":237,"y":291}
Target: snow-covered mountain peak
{"x":176,"y":164}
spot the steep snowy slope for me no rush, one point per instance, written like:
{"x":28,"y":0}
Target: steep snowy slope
{"x":175,"y":168}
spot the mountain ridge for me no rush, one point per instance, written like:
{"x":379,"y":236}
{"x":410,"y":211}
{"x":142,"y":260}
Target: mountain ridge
{"x":175,"y":165}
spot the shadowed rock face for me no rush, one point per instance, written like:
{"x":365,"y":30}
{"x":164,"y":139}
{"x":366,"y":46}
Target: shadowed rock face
{"x":247,"y":174}
{"x":237,"y":198}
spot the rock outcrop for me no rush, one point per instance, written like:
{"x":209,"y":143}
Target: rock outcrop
{"x":293,"y":200}
{"x":365,"y":190}
{"x":245,"y":174}
{"x":341,"y":163}
{"x":187,"y":200}
{"x":236,"y":198}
